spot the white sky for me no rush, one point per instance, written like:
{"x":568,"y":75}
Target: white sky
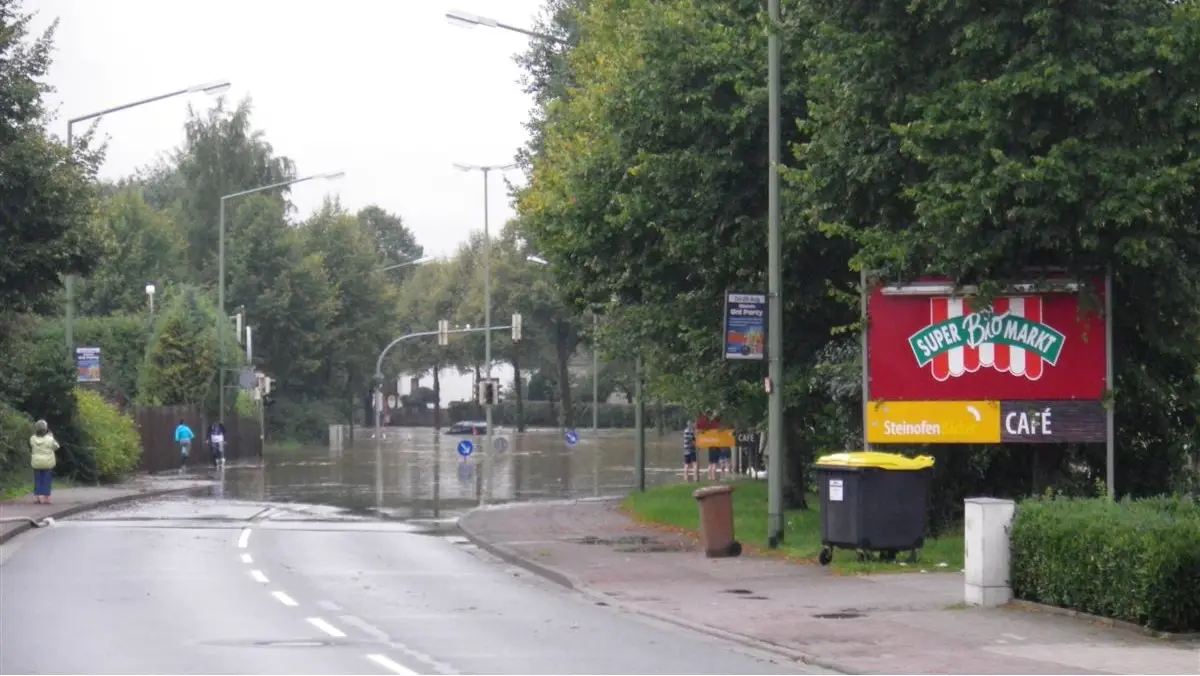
{"x":386,"y":90}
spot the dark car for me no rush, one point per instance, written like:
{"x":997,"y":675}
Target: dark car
{"x":473,"y":427}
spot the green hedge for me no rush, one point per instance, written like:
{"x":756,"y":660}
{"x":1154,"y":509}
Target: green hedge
{"x":1135,"y":560}
{"x":15,"y":430}
{"x":111,"y":436}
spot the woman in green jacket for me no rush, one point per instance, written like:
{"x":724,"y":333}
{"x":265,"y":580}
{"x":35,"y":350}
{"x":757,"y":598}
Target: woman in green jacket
{"x":42,"y":446}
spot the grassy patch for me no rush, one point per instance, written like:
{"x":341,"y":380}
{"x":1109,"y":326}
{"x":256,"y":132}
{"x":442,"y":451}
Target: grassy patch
{"x":19,"y":485}
{"x":674,"y":508}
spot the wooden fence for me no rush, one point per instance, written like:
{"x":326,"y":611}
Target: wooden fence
{"x":157,"y":425}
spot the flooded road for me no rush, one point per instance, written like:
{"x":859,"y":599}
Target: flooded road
{"x":415,"y":473}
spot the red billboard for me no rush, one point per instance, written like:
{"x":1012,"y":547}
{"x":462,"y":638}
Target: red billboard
{"x":928,"y":347}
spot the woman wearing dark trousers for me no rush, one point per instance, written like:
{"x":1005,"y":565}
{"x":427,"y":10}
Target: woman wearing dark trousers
{"x":42,"y":446}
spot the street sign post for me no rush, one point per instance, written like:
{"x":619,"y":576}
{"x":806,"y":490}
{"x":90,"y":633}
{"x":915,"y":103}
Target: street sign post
{"x":465,"y":448}
{"x":572,"y":437}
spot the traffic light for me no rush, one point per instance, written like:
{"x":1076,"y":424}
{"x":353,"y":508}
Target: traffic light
{"x":489,"y":392}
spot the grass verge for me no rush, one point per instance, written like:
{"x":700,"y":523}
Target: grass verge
{"x":673,"y":507}
{"x":19,"y":485}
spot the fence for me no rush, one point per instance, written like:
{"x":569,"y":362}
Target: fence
{"x":157,"y":427}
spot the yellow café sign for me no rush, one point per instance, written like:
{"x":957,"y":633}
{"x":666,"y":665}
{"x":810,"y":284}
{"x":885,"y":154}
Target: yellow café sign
{"x":933,"y":422}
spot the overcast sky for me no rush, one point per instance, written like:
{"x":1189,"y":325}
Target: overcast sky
{"x":386,"y":90}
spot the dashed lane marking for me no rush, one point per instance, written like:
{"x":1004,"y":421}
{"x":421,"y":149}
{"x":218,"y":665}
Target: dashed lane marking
{"x":244,"y":538}
{"x":326,"y":627}
{"x":391,"y":665}
{"x":284,"y":598}
{"x":259,"y":576}
{"x":246,"y":558}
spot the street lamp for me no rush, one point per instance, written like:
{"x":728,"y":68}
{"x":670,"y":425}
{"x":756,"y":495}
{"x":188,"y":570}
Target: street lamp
{"x":595,"y":356}
{"x":211,"y":88}
{"x":774,"y":290}
{"x":419,"y":261}
{"x":221,"y":316}
{"x":487,"y":288}
{"x":150,"y":292}
{"x":468,"y":20}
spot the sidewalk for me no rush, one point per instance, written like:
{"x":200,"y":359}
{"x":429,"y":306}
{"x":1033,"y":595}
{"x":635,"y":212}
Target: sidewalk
{"x":75,"y":499}
{"x":895,"y":623}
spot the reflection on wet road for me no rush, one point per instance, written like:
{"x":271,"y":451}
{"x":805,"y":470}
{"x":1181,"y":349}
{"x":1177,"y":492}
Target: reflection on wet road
{"x":415,"y":473}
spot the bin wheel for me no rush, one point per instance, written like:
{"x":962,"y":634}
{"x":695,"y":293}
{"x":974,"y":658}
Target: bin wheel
{"x":735,"y":549}
{"x":825,"y":556}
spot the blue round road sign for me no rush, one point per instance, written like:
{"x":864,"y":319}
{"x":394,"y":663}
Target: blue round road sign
{"x":500,"y":444}
{"x":572,"y":437}
{"x":465,"y":448}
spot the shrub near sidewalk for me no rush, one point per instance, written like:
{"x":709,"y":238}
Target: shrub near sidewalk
{"x":1136,"y":561}
{"x":110,"y":435}
{"x":15,"y":430}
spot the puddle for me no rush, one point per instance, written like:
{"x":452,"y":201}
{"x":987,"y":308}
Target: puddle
{"x":838,"y":616}
{"x":415,"y":474}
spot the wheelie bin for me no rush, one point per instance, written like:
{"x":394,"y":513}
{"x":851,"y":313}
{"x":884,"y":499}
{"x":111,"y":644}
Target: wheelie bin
{"x":873,"y":502}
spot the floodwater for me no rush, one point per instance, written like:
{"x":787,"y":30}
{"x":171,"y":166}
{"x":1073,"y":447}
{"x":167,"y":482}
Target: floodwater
{"x":417,"y":473}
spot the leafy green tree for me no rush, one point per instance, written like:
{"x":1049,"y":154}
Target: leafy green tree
{"x":285,"y":292}
{"x":47,"y":197}
{"x":432,"y":293}
{"x":181,"y":361}
{"x":364,"y":303}
{"x":144,"y":247}
{"x":395,"y":242}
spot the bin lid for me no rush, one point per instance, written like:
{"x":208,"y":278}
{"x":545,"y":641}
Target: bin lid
{"x":888,"y":461}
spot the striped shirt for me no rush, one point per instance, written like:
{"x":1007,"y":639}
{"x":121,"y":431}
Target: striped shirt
{"x":689,"y":439}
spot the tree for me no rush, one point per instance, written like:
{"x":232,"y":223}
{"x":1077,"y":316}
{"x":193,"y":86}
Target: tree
{"x":143,"y":248}
{"x":286,"y":294}
{"x":222,"y":154}
{"x":652,"y":188}
{"x":47,"y":198}
{"x":394,"y":241}
{"x":181,"y":361}
{"x":364,"y":302}
{"x":430,"y":295}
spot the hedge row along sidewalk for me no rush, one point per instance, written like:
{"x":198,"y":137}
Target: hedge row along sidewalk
{"x":904,"y":623}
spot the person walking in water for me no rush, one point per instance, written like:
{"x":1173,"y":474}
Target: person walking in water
{"x":216,"y":443}
{"x":183,"y":438}
{"x":42,"y":447}
{"x":691,"y":470}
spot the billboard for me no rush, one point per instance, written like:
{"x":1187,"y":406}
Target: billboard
{"x":87,"y":364}
{"x":1024,"y":347}
{"x":1030,"y":368}
{"x":745,"y":325}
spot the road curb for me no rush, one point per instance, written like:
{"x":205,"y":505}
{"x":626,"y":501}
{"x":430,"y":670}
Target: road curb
{"x":558,"y":577}
{"x":89,"y":506}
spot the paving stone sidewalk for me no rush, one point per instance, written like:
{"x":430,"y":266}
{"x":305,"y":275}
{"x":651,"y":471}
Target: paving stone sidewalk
{"x":15,"y":514}
{"x":894,"y":623}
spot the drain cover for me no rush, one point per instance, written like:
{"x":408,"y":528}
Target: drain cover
{"x":838,"y":616}
{"x":736,"y":591}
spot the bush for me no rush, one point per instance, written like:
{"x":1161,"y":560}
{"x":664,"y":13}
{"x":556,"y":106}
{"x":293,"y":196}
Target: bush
{"x":1133,"y":560}
{"x":111,"y":436}
{"x":15,"y":430}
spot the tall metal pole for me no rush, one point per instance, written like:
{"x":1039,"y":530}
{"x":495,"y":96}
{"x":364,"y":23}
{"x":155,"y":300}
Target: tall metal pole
{"x":221,"y":318}
{"x":775,"y":477}
{"x":866,"y":382}
{"x":1110,"y":474}
{"x":70,"y":281}
{"x":595,"y":374}
{"x":487,"y":333}
{"x":639,"y":415}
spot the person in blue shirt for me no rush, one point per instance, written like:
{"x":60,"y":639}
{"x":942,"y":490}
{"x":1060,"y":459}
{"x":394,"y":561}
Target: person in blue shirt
{"x":183,"y":437}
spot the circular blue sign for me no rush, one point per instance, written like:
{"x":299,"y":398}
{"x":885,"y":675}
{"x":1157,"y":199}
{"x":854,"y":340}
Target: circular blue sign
{"x":500,"y":444}
{"x":465,"y":448}
{"x":572,"y":437}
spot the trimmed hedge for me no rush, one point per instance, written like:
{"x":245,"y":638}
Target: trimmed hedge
{"x":15,"y":430}
{"x":110,"y":436}
{"x":1134,"y":560}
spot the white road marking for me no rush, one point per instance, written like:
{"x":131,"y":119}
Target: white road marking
{"x":247,"y":559}
{"x":284,"y":598}
{"x":258,"y":576}
{"x":391,"y":665}
{"x":382,"y":637}
{"x":244,"y":538}
{"x":326,"y":627}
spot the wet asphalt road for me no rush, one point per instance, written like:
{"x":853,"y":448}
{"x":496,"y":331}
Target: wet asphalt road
{"x":191,"y":585}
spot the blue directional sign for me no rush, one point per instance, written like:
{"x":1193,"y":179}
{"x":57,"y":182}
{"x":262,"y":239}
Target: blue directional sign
{"x":465,"y":448}
{"x":572,"y":437}
{"x":500,"y":444}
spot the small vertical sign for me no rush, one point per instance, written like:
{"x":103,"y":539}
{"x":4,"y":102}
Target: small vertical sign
{"x":745,"y":325}
{"x":87,"y":364}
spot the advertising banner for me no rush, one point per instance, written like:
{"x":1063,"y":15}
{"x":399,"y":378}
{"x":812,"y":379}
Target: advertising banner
{"x":985,"y":422}
{"x":745,"y":325}
{"x":87,"y":364}
{"x":1033,"y":347}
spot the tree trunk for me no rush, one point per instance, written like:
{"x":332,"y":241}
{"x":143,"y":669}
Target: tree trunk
{"x":437,"y":397}
{"x":659,"y":414}
{"x":517,"y":385}
{"x":562,"y":351}
{"x":553,"y":394}
{"x":795,"y":464}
